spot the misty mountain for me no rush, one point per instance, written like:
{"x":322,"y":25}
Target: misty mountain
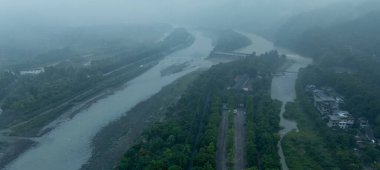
{"x":27,"y":42}
{"x":297,"y":26}
{"x":189,"y":84}
{"x":358,"y":36}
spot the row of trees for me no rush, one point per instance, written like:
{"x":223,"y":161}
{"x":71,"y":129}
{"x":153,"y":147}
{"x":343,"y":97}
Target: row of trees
{"x":191,"y":131}
{"x":262,"y":129}
{"x":230,"y":132}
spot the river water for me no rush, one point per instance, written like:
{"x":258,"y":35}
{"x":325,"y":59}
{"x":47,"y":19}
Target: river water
{"x":68,"y":146}
{"x":283,"y":86}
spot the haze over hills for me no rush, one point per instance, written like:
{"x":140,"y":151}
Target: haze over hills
{"x":335,"y":18}
{"x":42,"y":22}
{"x":189,"y":84}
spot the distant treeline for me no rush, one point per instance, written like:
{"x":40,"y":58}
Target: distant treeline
{"x":229,"y":40}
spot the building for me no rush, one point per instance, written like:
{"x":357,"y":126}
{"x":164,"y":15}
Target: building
{"x":363,"y":122}
{"x":32,"y":72}
{"x":325,"y":103}
{"x":341,"y":119}
{"x":310,"y":88}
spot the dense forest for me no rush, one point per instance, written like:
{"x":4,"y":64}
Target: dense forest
{"x":347,"y":59}
{"x":315,"y":141}
{"x":262,"y":127}
{"x":188,"y":136}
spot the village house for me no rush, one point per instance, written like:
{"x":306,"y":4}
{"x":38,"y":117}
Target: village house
{"x":325,"y":103}
{"x":341,"y":119}
{"x":310,"y":88}
{"x":363,"y":122}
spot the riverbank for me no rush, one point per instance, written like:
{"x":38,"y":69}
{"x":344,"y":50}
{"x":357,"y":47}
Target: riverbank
{"x":72,"y":138}
{"x":44,"y":123}
{"x":57,"y":114}
{"x":26,"y":117}
{"x":11,"y":149}
{"x":283,"y":89}
{"x":115,"y":139}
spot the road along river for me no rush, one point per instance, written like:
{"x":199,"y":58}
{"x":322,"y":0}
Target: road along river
{"x":68,"y":146}
{"x":283,"y":86}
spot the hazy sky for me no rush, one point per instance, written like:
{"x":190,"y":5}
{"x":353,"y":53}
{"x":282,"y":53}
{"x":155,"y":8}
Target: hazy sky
{"x":89,"y":12}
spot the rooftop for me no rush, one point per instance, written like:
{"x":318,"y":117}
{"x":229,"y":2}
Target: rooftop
{"x":342,"y":114}
{"x":320,"y":95}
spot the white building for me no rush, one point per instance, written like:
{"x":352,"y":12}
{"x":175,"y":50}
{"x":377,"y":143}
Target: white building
{"x":32,"y":72}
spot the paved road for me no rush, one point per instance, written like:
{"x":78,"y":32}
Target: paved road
{"x":239,"y":140}
{"x":221,"y":152}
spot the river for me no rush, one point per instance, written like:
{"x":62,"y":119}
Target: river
{"x":68,"y":146}
{"x":283,"y":86}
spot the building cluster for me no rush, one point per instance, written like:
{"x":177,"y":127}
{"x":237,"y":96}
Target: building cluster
{"x":327,"y":102}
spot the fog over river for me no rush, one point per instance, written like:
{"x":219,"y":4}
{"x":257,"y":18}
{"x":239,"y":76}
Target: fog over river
{"x":69,"y":145}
